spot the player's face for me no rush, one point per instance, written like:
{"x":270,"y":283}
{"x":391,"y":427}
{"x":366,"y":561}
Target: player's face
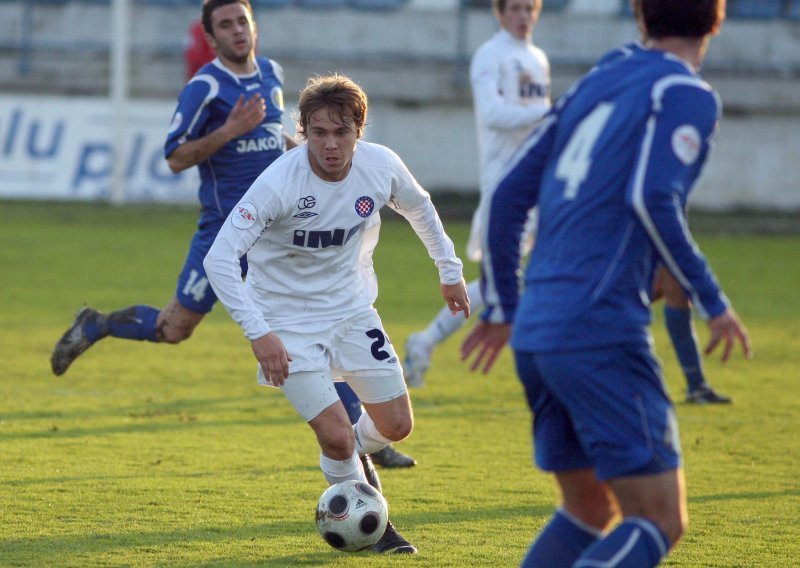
{"x":331,"y":144}
{"x":518,"y":18}
{"x":234,"y":33}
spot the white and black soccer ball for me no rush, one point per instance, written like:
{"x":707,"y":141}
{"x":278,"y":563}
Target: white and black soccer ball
{"x":352,"y":515}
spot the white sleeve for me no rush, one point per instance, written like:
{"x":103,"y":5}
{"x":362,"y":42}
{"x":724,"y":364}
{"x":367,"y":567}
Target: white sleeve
{"x":244,"y":225}
{"x":414,"y":203}
{"x":490,"y":105}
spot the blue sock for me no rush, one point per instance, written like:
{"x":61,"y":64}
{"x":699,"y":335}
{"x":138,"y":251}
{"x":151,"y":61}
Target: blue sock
{"x":352,"y":404}
{"x":560,"y":543}
{"x":681,"y":332}
{"x":136,"y":322}
{"x":634,"y":543}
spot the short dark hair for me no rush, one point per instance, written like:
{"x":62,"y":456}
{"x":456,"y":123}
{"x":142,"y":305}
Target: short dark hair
{"x":340,"y":95}
{"x":500,"y":5}
{"x":682,"y":18}
{"x":210,"y":5}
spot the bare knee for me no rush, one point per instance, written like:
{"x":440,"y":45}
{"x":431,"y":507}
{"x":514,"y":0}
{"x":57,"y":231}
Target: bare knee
{"x":659,"y":498}
{"x":173,"y":334}
{"x":334,"y":433}
{"x":587,"y":499}
{"x":338,"y":445}
{"x":176,"y":323}
{"x":398,"y":429}
{"x":673,"y":526}
{"x":598,"y":515}
{"x":395,"y":428}
{"x":393,"y":419}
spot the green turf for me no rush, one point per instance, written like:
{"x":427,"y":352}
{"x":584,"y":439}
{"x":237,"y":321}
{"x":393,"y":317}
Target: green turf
{"x":157,"y":455}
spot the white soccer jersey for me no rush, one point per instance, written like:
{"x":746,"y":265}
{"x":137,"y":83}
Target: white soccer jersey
{"x":510,"y":81}
{"x":309,"y":242}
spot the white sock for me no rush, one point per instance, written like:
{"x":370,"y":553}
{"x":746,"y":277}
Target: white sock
{"x":336,"y":471}
{"x":446,"y":324}
{"x":368,"y":439}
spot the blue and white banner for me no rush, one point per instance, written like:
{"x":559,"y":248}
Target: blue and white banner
{"x":61,"y":148}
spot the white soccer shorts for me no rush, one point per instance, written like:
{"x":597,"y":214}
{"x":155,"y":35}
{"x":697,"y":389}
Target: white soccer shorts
{"x":356,"y":350}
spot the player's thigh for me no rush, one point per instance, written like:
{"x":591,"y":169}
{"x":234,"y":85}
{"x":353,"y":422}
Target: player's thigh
{"x":311,"y":393}
{"x":674,"y":295}
{"x":556,"y":444}
{"x":193,"y":290}
{"x":363,"y":355}
{"x":619,"y":408}
{"x":309,"y":386}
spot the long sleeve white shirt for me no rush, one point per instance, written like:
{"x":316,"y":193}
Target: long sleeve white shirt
{"x":510,"y":80}
{"x":309,"y":242}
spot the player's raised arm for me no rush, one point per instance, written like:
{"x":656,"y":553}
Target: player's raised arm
{"x":245,"y":115}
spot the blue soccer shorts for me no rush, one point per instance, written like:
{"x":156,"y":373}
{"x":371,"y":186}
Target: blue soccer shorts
{"x":606,"y":409}
{"x":193,"y":290}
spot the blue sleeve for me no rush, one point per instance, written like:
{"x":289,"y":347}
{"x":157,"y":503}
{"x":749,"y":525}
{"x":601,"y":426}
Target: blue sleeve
{"x":676,"y":144}
{"x":516,"y":194}
{"x":191,"y":115}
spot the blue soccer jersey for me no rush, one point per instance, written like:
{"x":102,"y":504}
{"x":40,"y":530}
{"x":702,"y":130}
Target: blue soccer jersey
{"x":611,"y":168}
{"x":204,"y":105}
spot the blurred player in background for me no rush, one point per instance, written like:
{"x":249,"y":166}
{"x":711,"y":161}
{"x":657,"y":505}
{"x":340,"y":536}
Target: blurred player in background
{"x":228,"y":123}
{"x":309,"y":225}
{"x":610,"y":169}
{"x":510,"y":80}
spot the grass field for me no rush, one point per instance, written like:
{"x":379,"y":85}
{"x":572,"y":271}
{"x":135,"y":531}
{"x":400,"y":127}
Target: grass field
{"x":157,"y":455}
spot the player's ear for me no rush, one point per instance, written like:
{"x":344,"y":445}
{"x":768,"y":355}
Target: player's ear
{"x":211,"y":40}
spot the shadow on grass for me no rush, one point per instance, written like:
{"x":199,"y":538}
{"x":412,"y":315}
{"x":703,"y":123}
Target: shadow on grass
{"x":135,"y":548}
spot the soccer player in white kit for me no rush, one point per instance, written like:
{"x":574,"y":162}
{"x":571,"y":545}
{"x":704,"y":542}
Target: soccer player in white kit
{"x":510,"y":80}
{"x":309,"y":225}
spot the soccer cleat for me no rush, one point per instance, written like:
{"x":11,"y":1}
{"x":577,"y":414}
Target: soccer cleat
{"x":417,"y":360}
{"x":388,"y":457}
{"x":706,"y":395}
{"x":74,"y":341}
{"x":392,"y":542}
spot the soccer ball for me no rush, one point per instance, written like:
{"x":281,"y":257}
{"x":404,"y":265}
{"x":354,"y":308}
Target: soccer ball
{"x":352,"y":515}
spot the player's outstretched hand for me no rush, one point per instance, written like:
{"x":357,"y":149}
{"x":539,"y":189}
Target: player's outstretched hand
{"x":456,"y":297}
{"x":727,"y":327}
{"x":246,"y":115}
{"x":273,"y":358}
{"x":488,"y":339}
